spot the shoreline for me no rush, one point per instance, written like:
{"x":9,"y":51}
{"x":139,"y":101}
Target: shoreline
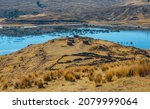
{"x":121,"y":28}
{"x":45,"y":29}
{"x":16,"y":51}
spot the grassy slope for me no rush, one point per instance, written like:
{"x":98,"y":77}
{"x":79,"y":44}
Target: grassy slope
{"x":26,"y":69}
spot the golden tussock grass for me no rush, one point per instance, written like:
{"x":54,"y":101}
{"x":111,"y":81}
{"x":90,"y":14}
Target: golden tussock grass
{"x":77,"y":76}
{"x":98,"y":80}
{"x":32,"y":76}
{"x":52,"y":75}
{"x":137,"y":68}
{"x":69,"y":76}
{"x":1,"y":77}
{"x":109,"y":76}
{"x":47,"y":77}
{"x":5,"y":83}
{"x":5,"y":86}
{"x":23,"y":83}
{"x":55,"y":75}
{"x":40,"y":84}
{"x":91,"y":76}
{"x":88,"y":69}
{"x":97,"y":74}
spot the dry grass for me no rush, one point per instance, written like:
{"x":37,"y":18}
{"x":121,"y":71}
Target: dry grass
{"x":88,"y":69}
{"x":69,"y":76}
{"x":28,"y":76}
{"x":98,"y":80}
{"x":109,"y":77}
{"x":77,"y":76}
{"x":96,"y":75}
{"x":47,"y":77}
{"x":6,"y":83}
{"x":91,"y":76}
{"x":137,"y":68}
{"x":40,"y":84}
{"x":5,"y":86}
{"x":23,"y":83}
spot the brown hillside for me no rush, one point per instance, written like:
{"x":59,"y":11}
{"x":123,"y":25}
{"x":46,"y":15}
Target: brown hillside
{"x":75,"y":9}
{"x":55,"y":65}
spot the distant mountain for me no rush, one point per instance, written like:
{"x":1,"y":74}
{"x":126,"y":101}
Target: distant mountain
{"x":75,"y":8}
{"x":63,"y":4}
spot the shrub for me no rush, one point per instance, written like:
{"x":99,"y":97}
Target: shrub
{"x":85,"y":70}
{"x":104,"y":67}
{"x":69,"y":76}
{"x":47,"y":77}
{"x":91,"y":76}
{"x":26,"y":83}
{"x":131,"y":72}
{"x":121,"y":71}
{"x":109,"y":77}
{"x":5,"y":86}
{"x":53,"y":75}
{"x":40,"y":84}
{"x":77,"y":75}
{"x":59,"y":74}
{"x":88,"y":69}
{"x":98,"y":80}
{"x":139,"y":68}
{"x":32,"y":76}
{"x":143,"y":70}
{"x":23,"y":83}
{"x":91,"y":69}
{"x":17,"y":85}
{"x":36,"y":82}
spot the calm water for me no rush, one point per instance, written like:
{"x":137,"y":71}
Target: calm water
{"x":139,"y":39}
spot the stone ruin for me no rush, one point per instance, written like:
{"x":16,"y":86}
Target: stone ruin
{"x":86,"y":41}
{"x":70,"y":41}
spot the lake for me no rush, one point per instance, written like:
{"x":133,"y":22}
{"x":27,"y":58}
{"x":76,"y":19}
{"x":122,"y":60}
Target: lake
{"x":136,"y":38}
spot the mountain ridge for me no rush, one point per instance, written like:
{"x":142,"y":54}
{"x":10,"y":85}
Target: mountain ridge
{"x":61,"y":5}
{"x":128,"y":11}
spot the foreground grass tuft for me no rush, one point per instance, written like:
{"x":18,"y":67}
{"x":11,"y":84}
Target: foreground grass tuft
{"x":98,"y":80}
{"x":69,"y":76}
{"x":138,"y":68}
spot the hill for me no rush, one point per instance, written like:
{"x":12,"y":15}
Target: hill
{"x":63,"y":7}
{"x":76,"y":64}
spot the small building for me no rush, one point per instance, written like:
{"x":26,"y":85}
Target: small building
{"x":69,"y":43}
{"x":71,"y":40}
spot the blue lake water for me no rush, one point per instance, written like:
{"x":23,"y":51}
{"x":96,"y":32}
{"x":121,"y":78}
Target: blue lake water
{"x":136,"y":38}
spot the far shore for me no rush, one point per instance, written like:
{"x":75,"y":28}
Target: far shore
{"x":30,"y":29}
